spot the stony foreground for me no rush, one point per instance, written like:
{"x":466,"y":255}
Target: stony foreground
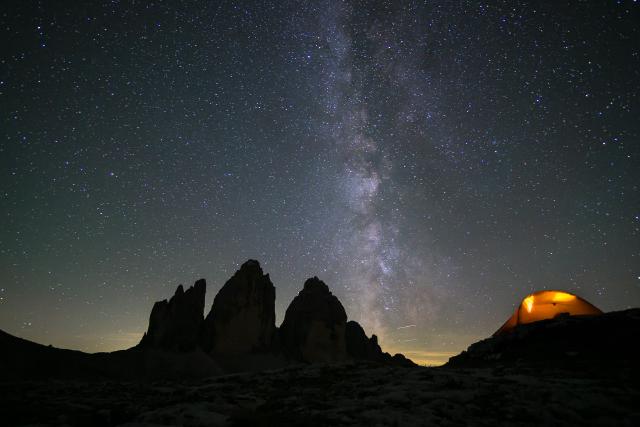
{"x":336,"y":395}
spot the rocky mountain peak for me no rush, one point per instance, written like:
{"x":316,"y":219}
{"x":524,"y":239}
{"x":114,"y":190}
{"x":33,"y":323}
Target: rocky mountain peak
{"x":251,"y":265}
{"x":314,"y":325}
{"x":242,"y":318}
{"x":241,"y":324}
{"x":315,"y":286}
{"x":175,"y":324}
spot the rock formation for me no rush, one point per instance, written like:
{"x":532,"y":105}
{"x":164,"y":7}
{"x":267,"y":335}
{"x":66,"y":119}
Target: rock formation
{"x":314,"y":325}
{"x":242,"y":318}
{"x":360,"y":347}
{"x":175,"y":324}
{"x":239,"y":333}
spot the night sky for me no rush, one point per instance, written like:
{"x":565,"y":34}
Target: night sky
{"x":432,"y":162}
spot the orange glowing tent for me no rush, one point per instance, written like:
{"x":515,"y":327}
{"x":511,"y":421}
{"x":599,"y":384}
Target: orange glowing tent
{"x":547,"y":305}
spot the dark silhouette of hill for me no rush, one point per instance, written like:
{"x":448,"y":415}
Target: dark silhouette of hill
{"x":238,"y":335}
{"x":596,"y":345}
{"x":25,"y":360}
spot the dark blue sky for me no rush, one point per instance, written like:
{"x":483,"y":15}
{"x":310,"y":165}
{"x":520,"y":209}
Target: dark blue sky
{"x":432,"y":162}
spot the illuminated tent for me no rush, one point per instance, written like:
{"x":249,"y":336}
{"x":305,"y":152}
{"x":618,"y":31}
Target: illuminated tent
{"x":547,"y":305}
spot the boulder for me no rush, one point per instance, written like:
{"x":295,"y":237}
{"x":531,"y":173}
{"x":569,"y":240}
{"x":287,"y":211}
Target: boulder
{"x":175,"y":324}
{"x":314,"y":325}
{"x":242,"y":318}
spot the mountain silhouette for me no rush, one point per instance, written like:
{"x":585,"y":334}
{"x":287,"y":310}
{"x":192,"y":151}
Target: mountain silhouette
{"x":238,"y":335}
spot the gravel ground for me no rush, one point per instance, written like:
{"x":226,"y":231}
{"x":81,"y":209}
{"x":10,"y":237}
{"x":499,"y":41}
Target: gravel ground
{"x":336,"y":395}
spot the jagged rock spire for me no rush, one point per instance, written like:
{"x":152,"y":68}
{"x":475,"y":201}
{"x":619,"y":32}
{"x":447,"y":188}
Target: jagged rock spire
{"x":242,"y":323}
{"x":242,"y":318}
{"x":175,"y":324}
{"x":313,"y":329}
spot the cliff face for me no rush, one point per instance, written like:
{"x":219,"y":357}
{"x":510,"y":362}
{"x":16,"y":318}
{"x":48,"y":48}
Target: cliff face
{"x":314,"y":325}
{"x":175,"y":324}
{"x":359,"y":346}
{"x":242,"y":318}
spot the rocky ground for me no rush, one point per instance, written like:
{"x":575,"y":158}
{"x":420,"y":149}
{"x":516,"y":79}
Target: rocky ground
{"x":336,"y":394}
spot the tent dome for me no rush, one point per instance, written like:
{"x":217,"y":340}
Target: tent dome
{"x":547,"y":305}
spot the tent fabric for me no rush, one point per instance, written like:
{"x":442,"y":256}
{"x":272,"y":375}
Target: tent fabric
{"x":547,"y":305}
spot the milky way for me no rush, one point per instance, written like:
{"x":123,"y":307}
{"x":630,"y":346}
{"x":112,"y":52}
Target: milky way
{"x":432,"y":162}
{"x":366,"y":243}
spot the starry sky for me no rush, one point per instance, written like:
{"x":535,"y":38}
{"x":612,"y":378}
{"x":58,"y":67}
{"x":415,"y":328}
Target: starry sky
{"x":432,"y":162}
